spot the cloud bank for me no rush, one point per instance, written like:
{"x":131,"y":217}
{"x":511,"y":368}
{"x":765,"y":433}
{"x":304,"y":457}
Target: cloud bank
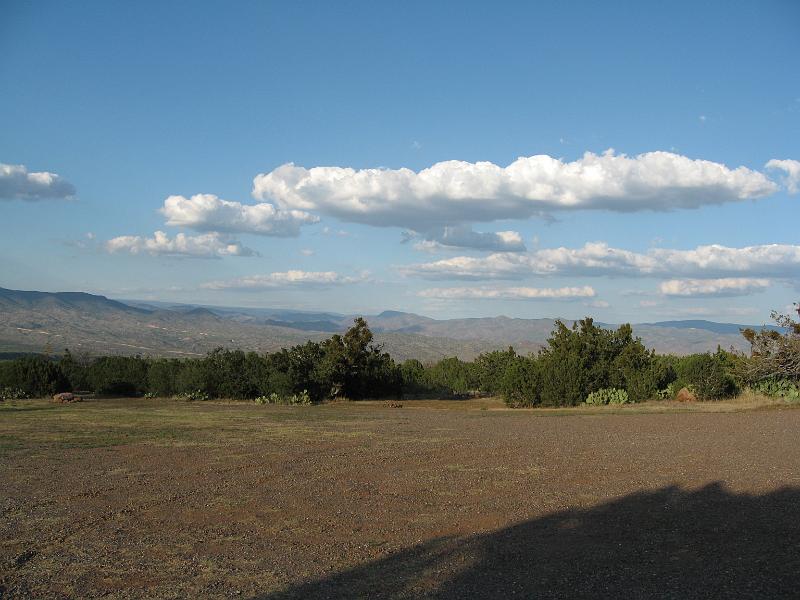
{"x":598,"y":258}
{"x":457,"y":192}
{"x":17,"y":183}
{"x":509,"y":293}
{"x":209,"y":245}
{"x":207,"y":212}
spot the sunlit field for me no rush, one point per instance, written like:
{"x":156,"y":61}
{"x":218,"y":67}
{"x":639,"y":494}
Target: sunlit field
{"x":158,"y":498}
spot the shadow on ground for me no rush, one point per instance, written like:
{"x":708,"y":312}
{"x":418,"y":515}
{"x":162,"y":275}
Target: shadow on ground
{"x":669,"y":543}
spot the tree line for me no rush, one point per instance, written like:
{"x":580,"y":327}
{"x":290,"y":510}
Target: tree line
{"x":581,"y":363}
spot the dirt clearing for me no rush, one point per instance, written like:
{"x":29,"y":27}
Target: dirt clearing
{"x":135,"y":498}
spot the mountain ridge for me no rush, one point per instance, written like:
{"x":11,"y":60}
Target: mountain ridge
{"x":31,"y":320}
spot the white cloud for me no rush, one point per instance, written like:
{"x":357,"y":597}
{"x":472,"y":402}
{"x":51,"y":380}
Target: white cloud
{"x":509,"y":293}
{"x":597,"y":304}
{"x":792,"y":170}
{"x":285,"y":279}
{"x":598,"y":258}
{"x":428,"y":246}
{"x":457,"y":192}
{"x":307,"y":252}
{"x":17,"y":183}
{"x":729,"y":286}
{"x":207,"y":212}
{"x":209,"y":245}
{"x":339,"y":233}
{"x":463,"y":236}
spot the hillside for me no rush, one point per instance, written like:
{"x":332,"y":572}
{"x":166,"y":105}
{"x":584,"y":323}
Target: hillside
{"x":39,"y":321}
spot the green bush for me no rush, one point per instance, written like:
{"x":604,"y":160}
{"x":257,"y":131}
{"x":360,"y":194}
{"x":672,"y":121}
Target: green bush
{"x":490,"y":369}
{"x":608,"y":396}
{"x":118,"y":375}
{"x":452,"y":377}
{"x":667,"y":393}
{"x":778,"y":388}
{"x":293,"y":400}
{"x":13,"y":393}
{"x":301,"y":398}
{"x":35,"y":376}
{"x":586,"y":358}
{"x":707,"y":375}
{"x":192,"y":396}
{"x":520,"y":383}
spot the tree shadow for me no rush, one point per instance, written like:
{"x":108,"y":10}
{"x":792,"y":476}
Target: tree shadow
{"x":668,"y":543}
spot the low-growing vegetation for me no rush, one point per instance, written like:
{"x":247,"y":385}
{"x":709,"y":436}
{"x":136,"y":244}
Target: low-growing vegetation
{"x":582,"y":364}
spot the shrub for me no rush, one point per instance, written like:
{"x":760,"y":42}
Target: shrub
{"x":586,"y":358}
{"x":193,"y":396}
{"x":520,"y":383}
{"x":780,"y":388}
{"x":490,"y":370}
{"x":301,"y":398}
{"x":608,"y":396}
{"x":774,"y":353}
{"x":412,"y":375}
{"x":667,"y":393}
{"x":295,"y":399}
{"x":452,"y":377}
{"x":707,"y":375}
{"x":118,"y":375}
{"x":13,"y":393}
{"x":36,"y":376}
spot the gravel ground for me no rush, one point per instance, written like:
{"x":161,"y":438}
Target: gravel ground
{"x":138,"y":499}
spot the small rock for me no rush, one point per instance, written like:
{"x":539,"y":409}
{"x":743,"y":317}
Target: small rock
{"x":66,"y":397}
{"x":685,"y":395}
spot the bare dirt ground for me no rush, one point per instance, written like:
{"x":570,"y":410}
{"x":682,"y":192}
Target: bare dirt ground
{"x":136,"y":498}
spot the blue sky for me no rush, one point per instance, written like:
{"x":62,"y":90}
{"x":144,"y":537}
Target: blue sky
{"x":160,"y":116}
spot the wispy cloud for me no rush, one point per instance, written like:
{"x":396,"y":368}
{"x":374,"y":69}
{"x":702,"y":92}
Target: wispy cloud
{"x":17,"y":183}
{"x":598,"y":258}
{"x":791,"y":168}
{"x":209,"y":245}
{"x":508,"y":293}
{"x":286,"y":279}
{"x":729,"y":286}
{"x":463,"y":236}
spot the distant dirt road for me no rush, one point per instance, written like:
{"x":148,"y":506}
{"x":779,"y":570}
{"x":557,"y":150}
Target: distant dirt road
{"x":158,"y":499}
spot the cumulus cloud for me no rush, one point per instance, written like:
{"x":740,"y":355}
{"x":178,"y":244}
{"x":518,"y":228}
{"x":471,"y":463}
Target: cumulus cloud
{"x":791,"y":169}
{"x":207,"y":212}
{"x":598,"y":258}
{"x":728,"y":286}
{"x":456,"y":192}
{"x":509,"y":293}
{"x":285,"y":279}
{"x":209,"y":245}
{"x":17,"y":183}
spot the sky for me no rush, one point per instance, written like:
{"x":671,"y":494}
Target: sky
{"x":630,"y":161}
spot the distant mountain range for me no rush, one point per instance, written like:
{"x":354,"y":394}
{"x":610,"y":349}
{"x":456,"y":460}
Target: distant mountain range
{"x":44,"y":321}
